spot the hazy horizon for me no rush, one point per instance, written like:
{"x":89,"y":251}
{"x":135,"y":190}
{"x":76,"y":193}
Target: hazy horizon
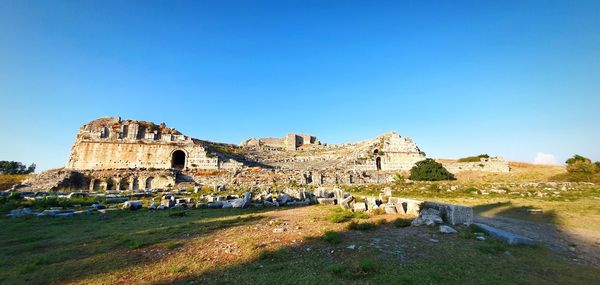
{"x":518,"y":79}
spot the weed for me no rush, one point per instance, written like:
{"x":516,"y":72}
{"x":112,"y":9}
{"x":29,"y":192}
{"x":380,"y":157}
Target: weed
{"x":172,"y":245}
{"x":135,"y":244}
{"x":402,"y":223}
{"x":366,"y":226}
{"x":332,"y":237}
{"x":492,"y":246}
{"x":360,"y":215}
{"x":378,"y":211}
{"x":178,"y":214}
{"x":339,"y":215}
{"x":380,"y":221}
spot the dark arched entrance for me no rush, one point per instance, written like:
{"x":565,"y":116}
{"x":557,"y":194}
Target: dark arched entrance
{"x":178,"y":159}
{"x":378,"y":163}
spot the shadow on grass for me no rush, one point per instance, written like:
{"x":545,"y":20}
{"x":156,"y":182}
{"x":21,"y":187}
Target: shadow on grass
{"x":48,"y":250}
{"x":543,"y":227}
{"x":453,"y":259}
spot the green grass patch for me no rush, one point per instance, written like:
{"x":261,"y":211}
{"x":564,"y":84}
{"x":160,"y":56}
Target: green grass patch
{"x":332,"y":237}
{"x":402,"y":223}
{"x":361,"y":226}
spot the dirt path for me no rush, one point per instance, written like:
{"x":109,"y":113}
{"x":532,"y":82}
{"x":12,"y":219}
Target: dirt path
{"x":578,"y":245}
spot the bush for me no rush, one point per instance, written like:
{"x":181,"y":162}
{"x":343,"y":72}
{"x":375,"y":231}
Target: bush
{"x":402,"y":223}
{"x":378,"y":211}
{"x":361,"y":226}
{"x":332,"y":237}
{"x":577,"y":158}
{"x":339,"y":215}
{"x":429,"y":170}
{"x":473,"y":158}
{"x":15,"y":167}
{"x":581,"y":164}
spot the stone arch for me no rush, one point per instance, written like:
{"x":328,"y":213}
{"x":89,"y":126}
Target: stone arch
{"x":95,"y":185}
{"x":123,"y":184}
{"x":148,"y":183}
{"x":110,"y":184}
{"x":376,"y":151}
{"x":378,"y":163}
{"x":104,"y":133}
{"x":135,"y":184}
{"x":178,"y":159}
{"x":125,"y":131}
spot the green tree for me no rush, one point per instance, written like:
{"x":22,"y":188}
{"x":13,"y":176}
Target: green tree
{"x":581,"y":164}
{"x":15,"y":167}
{"x":577,"y":158}
{"x":429,"y":170}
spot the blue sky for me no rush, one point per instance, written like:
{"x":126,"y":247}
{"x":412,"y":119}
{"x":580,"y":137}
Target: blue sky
{"x":510,"y":78}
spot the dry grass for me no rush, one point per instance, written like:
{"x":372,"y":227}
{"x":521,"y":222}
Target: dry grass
{"x":8,"y":180}
{"x":520,"y":173}
{"x":226,"y":246}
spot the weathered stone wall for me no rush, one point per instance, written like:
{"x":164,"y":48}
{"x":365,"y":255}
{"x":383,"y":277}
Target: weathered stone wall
{"x":109,"y":143}
{"x":99,"y":180}
{"x":492,"y":164}
{"x":117,"y":155}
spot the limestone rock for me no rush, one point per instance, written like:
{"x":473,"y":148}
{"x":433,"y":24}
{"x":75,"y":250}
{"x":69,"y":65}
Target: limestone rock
{"x":132,"y":205}
{"x":452,"y":214}
{"x":428,"y":217}
{"x":390,"y":209}
{"x":447,"y":230}
{"x":326,"y":201}
{"x":345,"y":203}
{"x":360,"y":207}
{"x":508,"y":237}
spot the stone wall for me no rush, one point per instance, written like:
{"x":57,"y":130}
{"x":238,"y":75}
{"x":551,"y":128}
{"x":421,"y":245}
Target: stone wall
{"x":110,"y":143}
{"x":492,"y":164}
{"x":121,"y":155}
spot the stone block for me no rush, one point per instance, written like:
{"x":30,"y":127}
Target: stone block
{"x":390,"y":209}
{"x":360,"y":207}
{"x":508,"y":237}
{"x":326,"y":201}
{"x":345,"y":203}
{"x":452,"y":214}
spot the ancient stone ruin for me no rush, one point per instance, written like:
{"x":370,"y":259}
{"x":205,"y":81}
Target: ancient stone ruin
{"x":115,"y":154}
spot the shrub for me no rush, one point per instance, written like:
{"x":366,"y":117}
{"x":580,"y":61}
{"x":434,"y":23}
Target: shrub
{"x":332,"y":237}
{"x":399,"y":179}
{"x":339,"y":215}
{"x":577,"y":158}
{"x":581,"y":167}
{"x":380,"y":221}
{"x":15,"y":167}
{"x":429,"y":170}
{"x":364,"y":267}
{"x":377,"y":212}
{"x":473,"y":158}
{"x":402,"y":223}
{"x":492,"y":246}
{"x":361,"y":226}
{"x":172,"y":245}
{"x":360,"y":215}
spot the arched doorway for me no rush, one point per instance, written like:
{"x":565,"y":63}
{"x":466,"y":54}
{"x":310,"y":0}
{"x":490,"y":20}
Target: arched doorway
{"x":96,"y":185}
{"x":135,"y":184}
{"x":110,"y":184}
{"x":378,"y":163}
{"x":178,"y":159}
{"x":123,"y":185}
{"x":149,"y":183}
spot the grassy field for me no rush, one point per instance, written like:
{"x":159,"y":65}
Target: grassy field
{"x":320,"y":244}
{"x":219,"y":246}
{"x":8,"y":180}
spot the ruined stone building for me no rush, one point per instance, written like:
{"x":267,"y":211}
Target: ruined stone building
{"x":116,"y":154}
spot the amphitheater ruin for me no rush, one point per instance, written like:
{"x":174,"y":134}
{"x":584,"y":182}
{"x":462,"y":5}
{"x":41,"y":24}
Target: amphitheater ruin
{"x":114,"y":154}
